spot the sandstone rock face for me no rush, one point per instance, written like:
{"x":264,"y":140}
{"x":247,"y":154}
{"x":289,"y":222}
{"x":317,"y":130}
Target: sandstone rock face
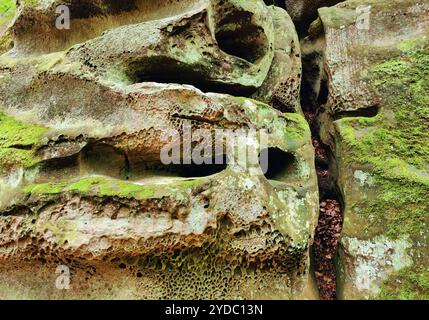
{"x":376,"y":120}
{"x":249,"y":43}
{"x":85,"y":115}
{"x":303,"y":12}
{"x":306,"y":9}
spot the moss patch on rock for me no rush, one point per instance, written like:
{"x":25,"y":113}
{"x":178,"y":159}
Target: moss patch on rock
{"x":103,"y":187}
{"x":6,"y":42}
{"x":7,"y":11}
{"x":13,"y":132}
{"x":395,"y":146}
{"x":92,"y":186}
{"x":291,"y":130}
{"x":17,"y":141}
{"x":108,"y":188}
{"x":297,"y":127}
{"x":344,"y":14}
{"x":40,"y":63}
{"x":411,"y":283}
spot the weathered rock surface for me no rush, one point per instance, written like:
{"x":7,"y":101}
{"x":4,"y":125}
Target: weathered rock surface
{"x":306,"y":10}
{"x":377,"y":81}
{"x":302,"y":12}
{"x":82,"y":183}
{"x":88,"y":19}
{"x":244,"y":48}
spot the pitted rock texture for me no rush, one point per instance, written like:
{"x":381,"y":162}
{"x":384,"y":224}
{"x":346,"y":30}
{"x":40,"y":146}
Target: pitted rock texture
{"x":237,"y":47}
{"x":373,"y":90}
{"x":88,"y":19}
{"x":82,"y":129}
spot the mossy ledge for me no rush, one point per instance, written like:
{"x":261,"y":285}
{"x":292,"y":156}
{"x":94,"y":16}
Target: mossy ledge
{"x":103,"y":187}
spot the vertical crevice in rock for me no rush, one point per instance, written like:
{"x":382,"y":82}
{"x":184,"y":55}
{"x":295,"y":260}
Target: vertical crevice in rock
{"x":328,"y":231}
{"x":314,"y":93}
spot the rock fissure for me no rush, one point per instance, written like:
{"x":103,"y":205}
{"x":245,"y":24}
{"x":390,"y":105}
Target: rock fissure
{"x":330,"y":222}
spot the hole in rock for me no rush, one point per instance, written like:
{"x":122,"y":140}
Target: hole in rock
{"x":84,"y":9}
{"x":210,"y":166}
{"x":166,"y":70}
{"x":58,"y":168}
{"x":278,"y":3}
{"x":217,"y":165}
{"x":237,"y":35}
{"x":277,"y":164}
{"x":368,"y":112}
{"x":98,"y":159}
{"x":103,"y":159}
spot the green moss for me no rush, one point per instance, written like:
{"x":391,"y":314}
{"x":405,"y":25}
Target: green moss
{"x":6,"y":42}
{"x":16,"y":142}
{"x":40,"y":63}
{"x":102,"y":187}
{"x":408,"y":284}
{"x":31,"y":2}
{"x":297,"y":126}
{"x":48,"y":61}
{"x":7,"y":10}
{"x":294,"y":126}
{"x":45,"y":188}
{"x":11,"y":156}
{"x":400,"y":207}
{"x":93,"y":186}
{"x":404,"y":82}
{"x":242,"y":100}
{"x":345,"y":14}
{"x":338,"y":17}
{"x":13,"y":132}
{"x":188,"y":184}
{"x":395,"y":146}
{"x":106,"y":188}
{"x":412,"y":44}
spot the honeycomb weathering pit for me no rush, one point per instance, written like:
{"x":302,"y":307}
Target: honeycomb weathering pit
{"x":83,"y":116}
